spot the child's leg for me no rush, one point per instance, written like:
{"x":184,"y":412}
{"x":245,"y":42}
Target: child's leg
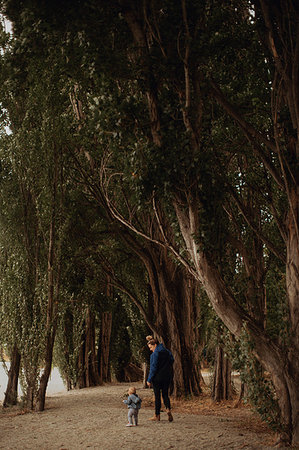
{"x":136,"y":417}
{"x":130,"y":416}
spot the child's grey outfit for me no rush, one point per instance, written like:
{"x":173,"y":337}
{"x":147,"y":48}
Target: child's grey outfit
{"x":134,"y":404}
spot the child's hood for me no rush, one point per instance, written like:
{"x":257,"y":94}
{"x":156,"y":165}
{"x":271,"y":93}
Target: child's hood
{"x":135,"y":398}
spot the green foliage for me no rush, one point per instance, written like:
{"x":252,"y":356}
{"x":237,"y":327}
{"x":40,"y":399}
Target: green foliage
{"x":260,"y":391}
{"x":278,"y":326}
{"x":121,"y":352}
{"x":69,"y":340}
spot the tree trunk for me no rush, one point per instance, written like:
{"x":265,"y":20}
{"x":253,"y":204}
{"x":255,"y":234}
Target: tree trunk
{"x":291,"y":369}
{"x":88,"y":374}
{"x":54,"y":267}
{"x":106,"y":326}
{"x":91,"y":363}
{"x":145,"y":368}
{"x":68,"y":345}
{"x":41,"y":394}
{"x":172,"y":313}
{"x":81,"y":382}
{"x":11,"y":394}
{"x":241,"y":395}
{"x":222,"y":384}
{"x":281,"y":364}
{"x":175,"y":311}
{"x":31,"y":372}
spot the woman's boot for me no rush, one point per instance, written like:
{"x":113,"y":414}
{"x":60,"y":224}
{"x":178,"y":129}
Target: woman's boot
{"x":155,"y":418}
{"x":170,"y":417}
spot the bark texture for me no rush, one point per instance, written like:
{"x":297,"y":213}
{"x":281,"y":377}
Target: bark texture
{"x":222,"y":383}
{"x":106,"y":325}
{"x":88,"y":359}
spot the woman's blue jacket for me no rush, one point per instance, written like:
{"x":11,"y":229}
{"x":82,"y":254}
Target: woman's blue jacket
{"x":161,"y":362}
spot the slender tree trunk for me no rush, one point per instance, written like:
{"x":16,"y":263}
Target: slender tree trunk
{"x":68,"y":347}
{"x":81,"y":381}
{"x":30,"y":395}
{"x":92,"y":376}
{"x":11,"y":394}
{"x":41,"y":394}
{"x":53,"y":295}
{"x":106,"y":327}
{"x":222,"y":385}
{"x":88,"y":374}
{"x":145,"y":375}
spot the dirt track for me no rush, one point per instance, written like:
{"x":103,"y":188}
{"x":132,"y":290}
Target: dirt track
{"x":95,"y":418}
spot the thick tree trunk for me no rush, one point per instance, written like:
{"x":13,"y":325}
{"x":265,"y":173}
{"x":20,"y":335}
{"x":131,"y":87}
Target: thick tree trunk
{"x":291,"y":370}
{"x":281,"y":364}
{"x":11,"y":394}
{"x":172,"y":314}
{"x":176,"y":312}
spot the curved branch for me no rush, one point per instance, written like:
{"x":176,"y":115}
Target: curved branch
{"x":253,"y":135}
{"x":266,"y":241}
{"x":129,"y":225}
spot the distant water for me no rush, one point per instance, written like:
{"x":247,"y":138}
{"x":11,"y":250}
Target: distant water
{"x":55,"y":384}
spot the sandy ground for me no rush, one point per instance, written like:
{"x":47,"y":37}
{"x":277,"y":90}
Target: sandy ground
{"x":96,"y":418}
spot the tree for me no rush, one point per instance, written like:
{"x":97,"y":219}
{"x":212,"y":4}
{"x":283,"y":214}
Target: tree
{"x":40,"y":170}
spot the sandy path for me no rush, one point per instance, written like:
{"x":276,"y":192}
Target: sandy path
{"x":95,"y":418}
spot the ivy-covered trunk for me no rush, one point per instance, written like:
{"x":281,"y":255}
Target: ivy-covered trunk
{"x":31,"y":371}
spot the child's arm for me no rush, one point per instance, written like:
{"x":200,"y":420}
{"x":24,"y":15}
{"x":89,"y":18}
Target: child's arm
{"x":128,"y":401}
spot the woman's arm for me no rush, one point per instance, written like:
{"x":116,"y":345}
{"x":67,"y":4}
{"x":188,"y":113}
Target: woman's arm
{"x":153,"y":366}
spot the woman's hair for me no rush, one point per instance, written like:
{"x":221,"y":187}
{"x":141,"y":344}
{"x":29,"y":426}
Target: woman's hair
{"x":151,"y":340}
{"x":132,"y":390}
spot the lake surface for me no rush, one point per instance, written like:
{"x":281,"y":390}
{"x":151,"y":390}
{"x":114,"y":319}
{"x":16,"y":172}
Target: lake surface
{"x":55,"y":384}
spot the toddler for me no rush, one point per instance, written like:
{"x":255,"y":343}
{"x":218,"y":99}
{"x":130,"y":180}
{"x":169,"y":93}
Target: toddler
{"x":134,"y":404}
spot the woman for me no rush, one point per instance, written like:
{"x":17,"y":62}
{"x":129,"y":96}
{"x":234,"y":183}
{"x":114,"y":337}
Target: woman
{"x":160,"y":376}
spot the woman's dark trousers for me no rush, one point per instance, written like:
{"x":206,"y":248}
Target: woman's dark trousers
{"x":161,"y":387}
